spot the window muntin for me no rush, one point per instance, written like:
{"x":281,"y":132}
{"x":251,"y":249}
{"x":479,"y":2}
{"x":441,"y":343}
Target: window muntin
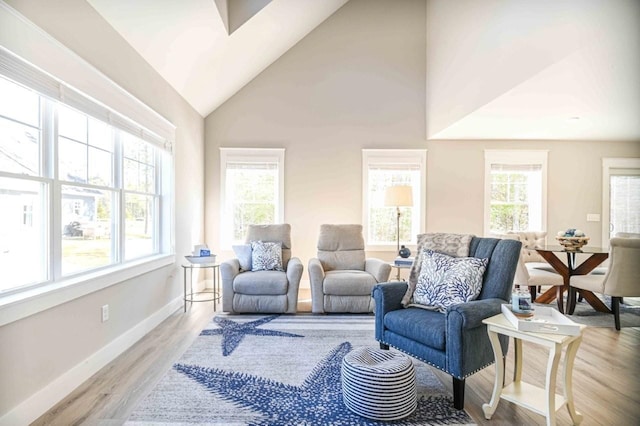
{"x":382,"y":169}
{"x":139,"y":164}
{"x":253,"y":190}
{"x":85,"y":148}
{"x":515,"y":191}
{"x":87,"y":180}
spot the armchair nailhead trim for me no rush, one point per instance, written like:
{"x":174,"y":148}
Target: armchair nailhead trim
{"x":433,"y":365}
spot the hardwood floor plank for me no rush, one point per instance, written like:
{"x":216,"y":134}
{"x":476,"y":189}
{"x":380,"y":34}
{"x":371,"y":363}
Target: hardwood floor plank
{"x":605,"y":378}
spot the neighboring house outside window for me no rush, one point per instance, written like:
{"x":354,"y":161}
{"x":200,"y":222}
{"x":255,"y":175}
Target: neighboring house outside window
{"x":252,"y":190}
{"x":381,"y":169}
{"x":515,"y":191}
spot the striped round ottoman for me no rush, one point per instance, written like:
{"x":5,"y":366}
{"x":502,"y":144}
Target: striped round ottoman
{"x":378,"y":384}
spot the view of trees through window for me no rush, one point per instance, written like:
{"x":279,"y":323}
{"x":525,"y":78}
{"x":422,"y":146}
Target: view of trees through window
{"x":384,"y":168}
{"x":383,"y":219}
{"x":252,"y":195}
{"x":516,"y":192}
{"x":252,"y":190}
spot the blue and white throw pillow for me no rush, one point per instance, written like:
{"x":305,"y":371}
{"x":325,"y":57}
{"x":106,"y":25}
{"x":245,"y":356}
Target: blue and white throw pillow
{"x":446,"y":281}
{"x":266,"y":256}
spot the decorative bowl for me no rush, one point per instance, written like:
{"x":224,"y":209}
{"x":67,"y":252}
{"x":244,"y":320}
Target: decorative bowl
{"x":201,"y":260}
{"x":572,"y":243}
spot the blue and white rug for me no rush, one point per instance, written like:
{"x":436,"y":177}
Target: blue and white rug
{"x":277,"y":370}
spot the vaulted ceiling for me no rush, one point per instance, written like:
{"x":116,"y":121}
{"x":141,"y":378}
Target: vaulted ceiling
{"x":188,"y":41}
{"x":526,"y":70}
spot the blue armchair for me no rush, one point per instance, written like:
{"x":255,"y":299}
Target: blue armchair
{"x":456,"y":341}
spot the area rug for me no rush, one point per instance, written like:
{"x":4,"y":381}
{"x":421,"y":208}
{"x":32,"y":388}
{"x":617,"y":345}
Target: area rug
{"x":585,"y":314}
{"x":278,"y":370}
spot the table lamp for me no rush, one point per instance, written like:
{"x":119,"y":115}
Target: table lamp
{"x":398,"y":196}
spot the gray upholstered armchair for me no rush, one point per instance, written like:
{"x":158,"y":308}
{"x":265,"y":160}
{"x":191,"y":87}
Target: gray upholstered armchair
{"x":262,"y":291}
{"x":341,"y":276}
{"x":455,"y":341}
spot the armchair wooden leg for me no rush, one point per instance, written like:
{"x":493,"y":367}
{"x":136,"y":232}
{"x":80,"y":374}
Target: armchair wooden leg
{"x":458,"y":393}
{"x":615,"y":307}
{"x":384,"y":347}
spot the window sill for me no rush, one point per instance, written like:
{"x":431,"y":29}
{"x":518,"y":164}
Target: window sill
{"x":14,"y":307}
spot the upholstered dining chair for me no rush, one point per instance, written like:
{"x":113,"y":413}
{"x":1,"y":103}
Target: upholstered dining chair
{"x":454,"y":341}
{"x":533,"y":271}
{"x":254,"y":282}
{"x":341,"y":277}
{"x":622,"y":278}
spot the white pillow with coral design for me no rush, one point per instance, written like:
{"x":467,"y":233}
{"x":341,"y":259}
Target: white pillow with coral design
{"x":446,"y":281}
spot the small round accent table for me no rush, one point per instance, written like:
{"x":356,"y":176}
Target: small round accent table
{"x":203,"y":295}
{"x":379,"y":384}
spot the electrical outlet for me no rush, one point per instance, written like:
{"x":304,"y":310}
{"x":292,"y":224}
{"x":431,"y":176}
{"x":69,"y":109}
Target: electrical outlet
{"x":593,"y":217}
{"x":105,"y":313}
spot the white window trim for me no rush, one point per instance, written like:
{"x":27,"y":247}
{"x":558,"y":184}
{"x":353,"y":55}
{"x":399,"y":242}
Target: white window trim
{"x":409,"y":156}
{"x":44,"y":60}
{"x":609,"y":163}
{"x":257,"y":155}
{"x":513,"y":156}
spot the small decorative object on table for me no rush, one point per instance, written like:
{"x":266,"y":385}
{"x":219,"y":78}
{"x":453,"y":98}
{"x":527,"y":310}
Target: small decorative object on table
{"x":572,"y":239}
{"x":521,"y":303}
{"x":404,"y":252}
{"x":201,"y":255}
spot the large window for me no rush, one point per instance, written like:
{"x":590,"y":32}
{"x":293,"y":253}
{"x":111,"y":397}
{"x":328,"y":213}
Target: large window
{"x":515,"y":191}
{"x":77,"y":194}
{"x":383,"y":168}
{"x":252,"y":182}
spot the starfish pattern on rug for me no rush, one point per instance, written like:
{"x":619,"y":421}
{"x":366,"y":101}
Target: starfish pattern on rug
{"x":233,"y":332}
{"x":318,"y":400}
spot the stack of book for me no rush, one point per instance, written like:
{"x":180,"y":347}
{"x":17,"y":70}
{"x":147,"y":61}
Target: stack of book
{"x":404,"y":261}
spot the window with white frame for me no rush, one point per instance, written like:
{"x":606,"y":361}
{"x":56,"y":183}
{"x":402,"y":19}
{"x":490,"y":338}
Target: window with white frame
{"x":620,"y":197}
{"x":78,"y":194}
{"x":515,"y":191}
{"x":383,"y":168}
{"x":252,"y":190}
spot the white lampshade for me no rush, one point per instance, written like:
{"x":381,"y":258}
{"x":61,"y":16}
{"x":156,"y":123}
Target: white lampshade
{"x":398,"y":196}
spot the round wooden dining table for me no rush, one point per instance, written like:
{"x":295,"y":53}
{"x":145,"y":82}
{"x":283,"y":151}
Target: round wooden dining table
{"x":594,"y":257}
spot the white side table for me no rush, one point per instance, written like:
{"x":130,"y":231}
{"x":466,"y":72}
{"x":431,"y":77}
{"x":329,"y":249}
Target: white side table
{"x":539,"y":400}
{"x":398,"y":268}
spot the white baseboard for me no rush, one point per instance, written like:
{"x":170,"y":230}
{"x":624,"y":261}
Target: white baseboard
{"x":38,"y":404}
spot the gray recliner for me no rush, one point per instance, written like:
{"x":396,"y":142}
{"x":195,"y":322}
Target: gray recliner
{"x":341,"y":276}
{"x":273,"y":292}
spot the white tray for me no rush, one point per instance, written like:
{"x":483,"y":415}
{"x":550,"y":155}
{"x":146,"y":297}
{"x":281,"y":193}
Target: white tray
{"x":544,"y":320}
{"x":201,"y":260}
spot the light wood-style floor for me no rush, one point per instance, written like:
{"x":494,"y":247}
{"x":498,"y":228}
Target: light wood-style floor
{"x":606,"y":380}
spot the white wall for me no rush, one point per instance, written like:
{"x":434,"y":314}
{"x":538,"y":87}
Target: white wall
{"x":520,"y":69}
{"x":358,"y":81}
{"x":42,"y":352}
